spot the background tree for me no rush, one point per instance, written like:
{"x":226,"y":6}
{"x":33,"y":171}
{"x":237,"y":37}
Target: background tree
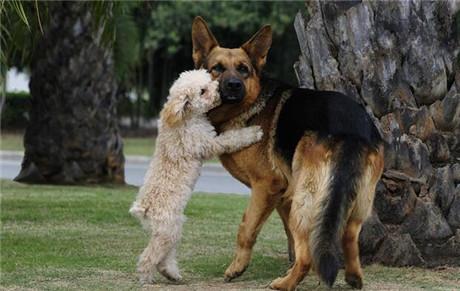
{"x":73,"y":135}
{"x":401,"y":60}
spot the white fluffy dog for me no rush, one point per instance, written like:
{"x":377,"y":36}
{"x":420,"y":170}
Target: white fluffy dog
{"x":185,"y":139}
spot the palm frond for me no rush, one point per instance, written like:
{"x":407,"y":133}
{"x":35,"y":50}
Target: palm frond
{"x":38,"y":16}
{"x":19,"y":8}
{"x":126,"y":45}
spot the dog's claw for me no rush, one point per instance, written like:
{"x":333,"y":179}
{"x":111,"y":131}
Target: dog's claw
{"x":354,"y":281}
{"x":229,"y":277}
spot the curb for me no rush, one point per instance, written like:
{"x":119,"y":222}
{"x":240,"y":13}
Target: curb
{"x":135,"y":159}
{"x":11,"y":155}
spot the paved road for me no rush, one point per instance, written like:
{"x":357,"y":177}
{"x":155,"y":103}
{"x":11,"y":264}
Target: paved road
{"x":213,"y":179}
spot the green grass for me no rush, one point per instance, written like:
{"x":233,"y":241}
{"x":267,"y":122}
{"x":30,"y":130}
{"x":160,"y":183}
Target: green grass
{"x":139,"y":146}
{"x":11,"y":142}
{"x":142,"y":146}
{"x":78,"y":238}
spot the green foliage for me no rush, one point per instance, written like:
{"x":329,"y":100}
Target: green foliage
{"x":23,"y":24}
{"x":170,"y":22}
{"x":168,"y":42}
{"x":21,"y":28}
{"x":151,"y":41}
{"x":15,"y":112}
{"x":126,"y":47}
{"x":120,"y":33}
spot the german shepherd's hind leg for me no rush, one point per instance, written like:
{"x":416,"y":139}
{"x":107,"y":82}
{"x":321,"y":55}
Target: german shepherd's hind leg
{"x":259,"y":209}
{"x":353,"y":271}
{"x":284,"y":209}
{"x":362,"y":207}
{"x":310,"y":173}
{"x":301,"y":265}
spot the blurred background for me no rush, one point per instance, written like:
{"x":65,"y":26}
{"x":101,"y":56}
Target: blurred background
{"x":149,"y":44}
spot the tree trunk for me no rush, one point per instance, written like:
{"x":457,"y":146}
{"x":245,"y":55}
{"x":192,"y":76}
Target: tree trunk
{"x":400,"y":60}
{"x":73,"y":135}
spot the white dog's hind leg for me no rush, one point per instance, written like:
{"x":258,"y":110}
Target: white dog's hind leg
{"x":164,"y":239}
{"x":168,"y":267}
{"x":147,"y":262}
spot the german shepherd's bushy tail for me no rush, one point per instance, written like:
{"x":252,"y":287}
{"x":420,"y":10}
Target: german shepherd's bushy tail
{"x":331,"y":218}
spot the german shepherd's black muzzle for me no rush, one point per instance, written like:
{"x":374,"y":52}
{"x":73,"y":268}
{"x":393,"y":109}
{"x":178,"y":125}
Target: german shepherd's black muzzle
{"x":232,"y":90}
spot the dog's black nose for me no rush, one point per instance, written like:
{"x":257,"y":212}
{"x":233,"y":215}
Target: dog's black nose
{"x":232,"y":90}
{"x":234,"y":84}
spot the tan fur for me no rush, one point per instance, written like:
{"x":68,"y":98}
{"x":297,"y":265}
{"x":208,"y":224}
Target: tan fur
{"x":185,"y":139}
{"x":366,"y":187}
{"x":312,"y":168}
{"x":258,"y":45}
{"x":173,"y":112}
{"x":353,"y":271}
{"x":278,"y":164}
{"x":311,"y":174}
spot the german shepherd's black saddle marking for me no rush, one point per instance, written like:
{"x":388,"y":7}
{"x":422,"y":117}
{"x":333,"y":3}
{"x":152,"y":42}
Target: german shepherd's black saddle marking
{"x":328,"y":113}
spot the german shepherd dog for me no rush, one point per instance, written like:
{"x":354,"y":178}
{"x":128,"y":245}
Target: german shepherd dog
{"x":317,"y":164}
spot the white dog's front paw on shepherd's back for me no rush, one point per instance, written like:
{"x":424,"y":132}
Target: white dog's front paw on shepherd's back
{"x":256,"y":132}
{"x":259,"y":134}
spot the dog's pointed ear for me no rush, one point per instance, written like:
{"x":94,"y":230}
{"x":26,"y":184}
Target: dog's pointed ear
{"x":174,"y":111}
{"x":257,"y":47}
{"x":203,"y":41}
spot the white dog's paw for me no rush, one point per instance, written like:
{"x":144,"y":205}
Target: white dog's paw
{"x":259,"y":134}
{"x":170,"y":272}
{"x":255,"y":132}
{"x":146,"y":278}
{"x":169,"y":269}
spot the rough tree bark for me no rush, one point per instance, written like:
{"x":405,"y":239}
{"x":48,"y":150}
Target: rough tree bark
{"x":73,"y":134}
{"x":401,"y":60}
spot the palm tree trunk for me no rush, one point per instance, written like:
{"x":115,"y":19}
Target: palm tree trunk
{"x":400,"y":59}
{"x":73,"y":135}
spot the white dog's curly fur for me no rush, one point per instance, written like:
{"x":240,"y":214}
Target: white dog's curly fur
{"x":185,"y":139}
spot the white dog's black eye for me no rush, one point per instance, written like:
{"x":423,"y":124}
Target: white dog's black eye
{"x":203,"y":91}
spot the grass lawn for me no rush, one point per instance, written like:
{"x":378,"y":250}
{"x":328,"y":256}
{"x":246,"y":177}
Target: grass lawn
{"x":11,"y":142}
{"x":78,"y":238}
{"x":138,"y":146}
{"x":141,"y":146}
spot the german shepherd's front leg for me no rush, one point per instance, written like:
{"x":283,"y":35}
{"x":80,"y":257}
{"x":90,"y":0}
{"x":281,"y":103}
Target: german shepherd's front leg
{"x":259,"y":209}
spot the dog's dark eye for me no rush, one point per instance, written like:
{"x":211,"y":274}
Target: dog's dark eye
{"x":243,"y":70}
{"x":218,"y":68}
{"x":203,"y":91}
